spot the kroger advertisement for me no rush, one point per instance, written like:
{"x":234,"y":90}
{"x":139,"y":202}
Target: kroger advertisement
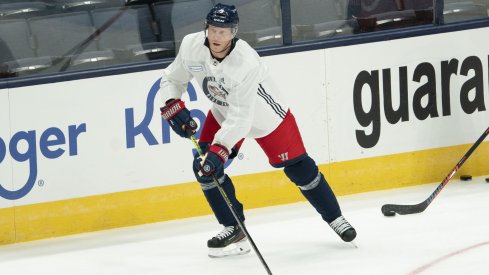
{"x":104,"y":135}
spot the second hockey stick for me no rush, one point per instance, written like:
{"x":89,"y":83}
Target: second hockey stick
{"x":392,"y":209}
{"x":233,"y":210}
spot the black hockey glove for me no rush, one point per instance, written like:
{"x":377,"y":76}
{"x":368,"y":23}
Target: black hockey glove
{"x":212,"y":163}
{"x":179,"y":118}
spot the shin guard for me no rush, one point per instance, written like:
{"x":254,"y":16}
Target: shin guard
{"x":305,"y":174}
{"x":219,"y":205}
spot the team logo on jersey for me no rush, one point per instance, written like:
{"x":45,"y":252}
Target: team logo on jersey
{"x":214,"y":91}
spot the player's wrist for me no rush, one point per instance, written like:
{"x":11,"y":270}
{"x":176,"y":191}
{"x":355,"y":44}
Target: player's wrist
{"x":168,"y":101}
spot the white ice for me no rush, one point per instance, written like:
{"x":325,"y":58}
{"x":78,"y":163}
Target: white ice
{"x":450,"y":237}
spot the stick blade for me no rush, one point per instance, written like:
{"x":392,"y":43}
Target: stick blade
{"x":390,"y":210}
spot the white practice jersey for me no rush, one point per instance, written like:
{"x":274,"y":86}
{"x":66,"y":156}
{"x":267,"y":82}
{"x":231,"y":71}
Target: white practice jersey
{"x":245,"y":101}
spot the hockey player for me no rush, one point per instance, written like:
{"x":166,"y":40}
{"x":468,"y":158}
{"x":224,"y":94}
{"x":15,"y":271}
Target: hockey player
{"x":246,"y":104}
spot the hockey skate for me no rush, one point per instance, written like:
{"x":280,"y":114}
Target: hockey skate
{"x":341,"y":226}
{"x":230,"y":242}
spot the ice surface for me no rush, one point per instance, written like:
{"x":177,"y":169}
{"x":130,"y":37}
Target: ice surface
{"x":450,"y":237}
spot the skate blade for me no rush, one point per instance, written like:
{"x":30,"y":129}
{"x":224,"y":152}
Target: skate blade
{"x":234,"y":249}
{"x":353,"y":244}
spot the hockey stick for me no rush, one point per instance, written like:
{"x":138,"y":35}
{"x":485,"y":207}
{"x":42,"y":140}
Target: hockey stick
{"x":392,"y":209}
{"x":233,"y":210}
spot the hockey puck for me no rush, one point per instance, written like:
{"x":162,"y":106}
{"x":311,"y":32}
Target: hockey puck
{"x":465,"y":177}
{"x":487,"y":179}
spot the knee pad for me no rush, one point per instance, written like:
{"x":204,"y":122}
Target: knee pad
{"x":302,"y":172}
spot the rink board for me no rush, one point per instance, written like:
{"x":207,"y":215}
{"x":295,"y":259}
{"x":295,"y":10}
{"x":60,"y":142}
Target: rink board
{"x":101,"y":157}
{"x":163,"y":203}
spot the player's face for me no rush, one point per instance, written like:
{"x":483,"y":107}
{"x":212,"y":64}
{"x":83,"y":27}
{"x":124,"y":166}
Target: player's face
{"x":219,"y":38}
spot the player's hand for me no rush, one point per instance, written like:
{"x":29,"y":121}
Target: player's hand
{"x":179,"y":118}
{"x":212,"y":162}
